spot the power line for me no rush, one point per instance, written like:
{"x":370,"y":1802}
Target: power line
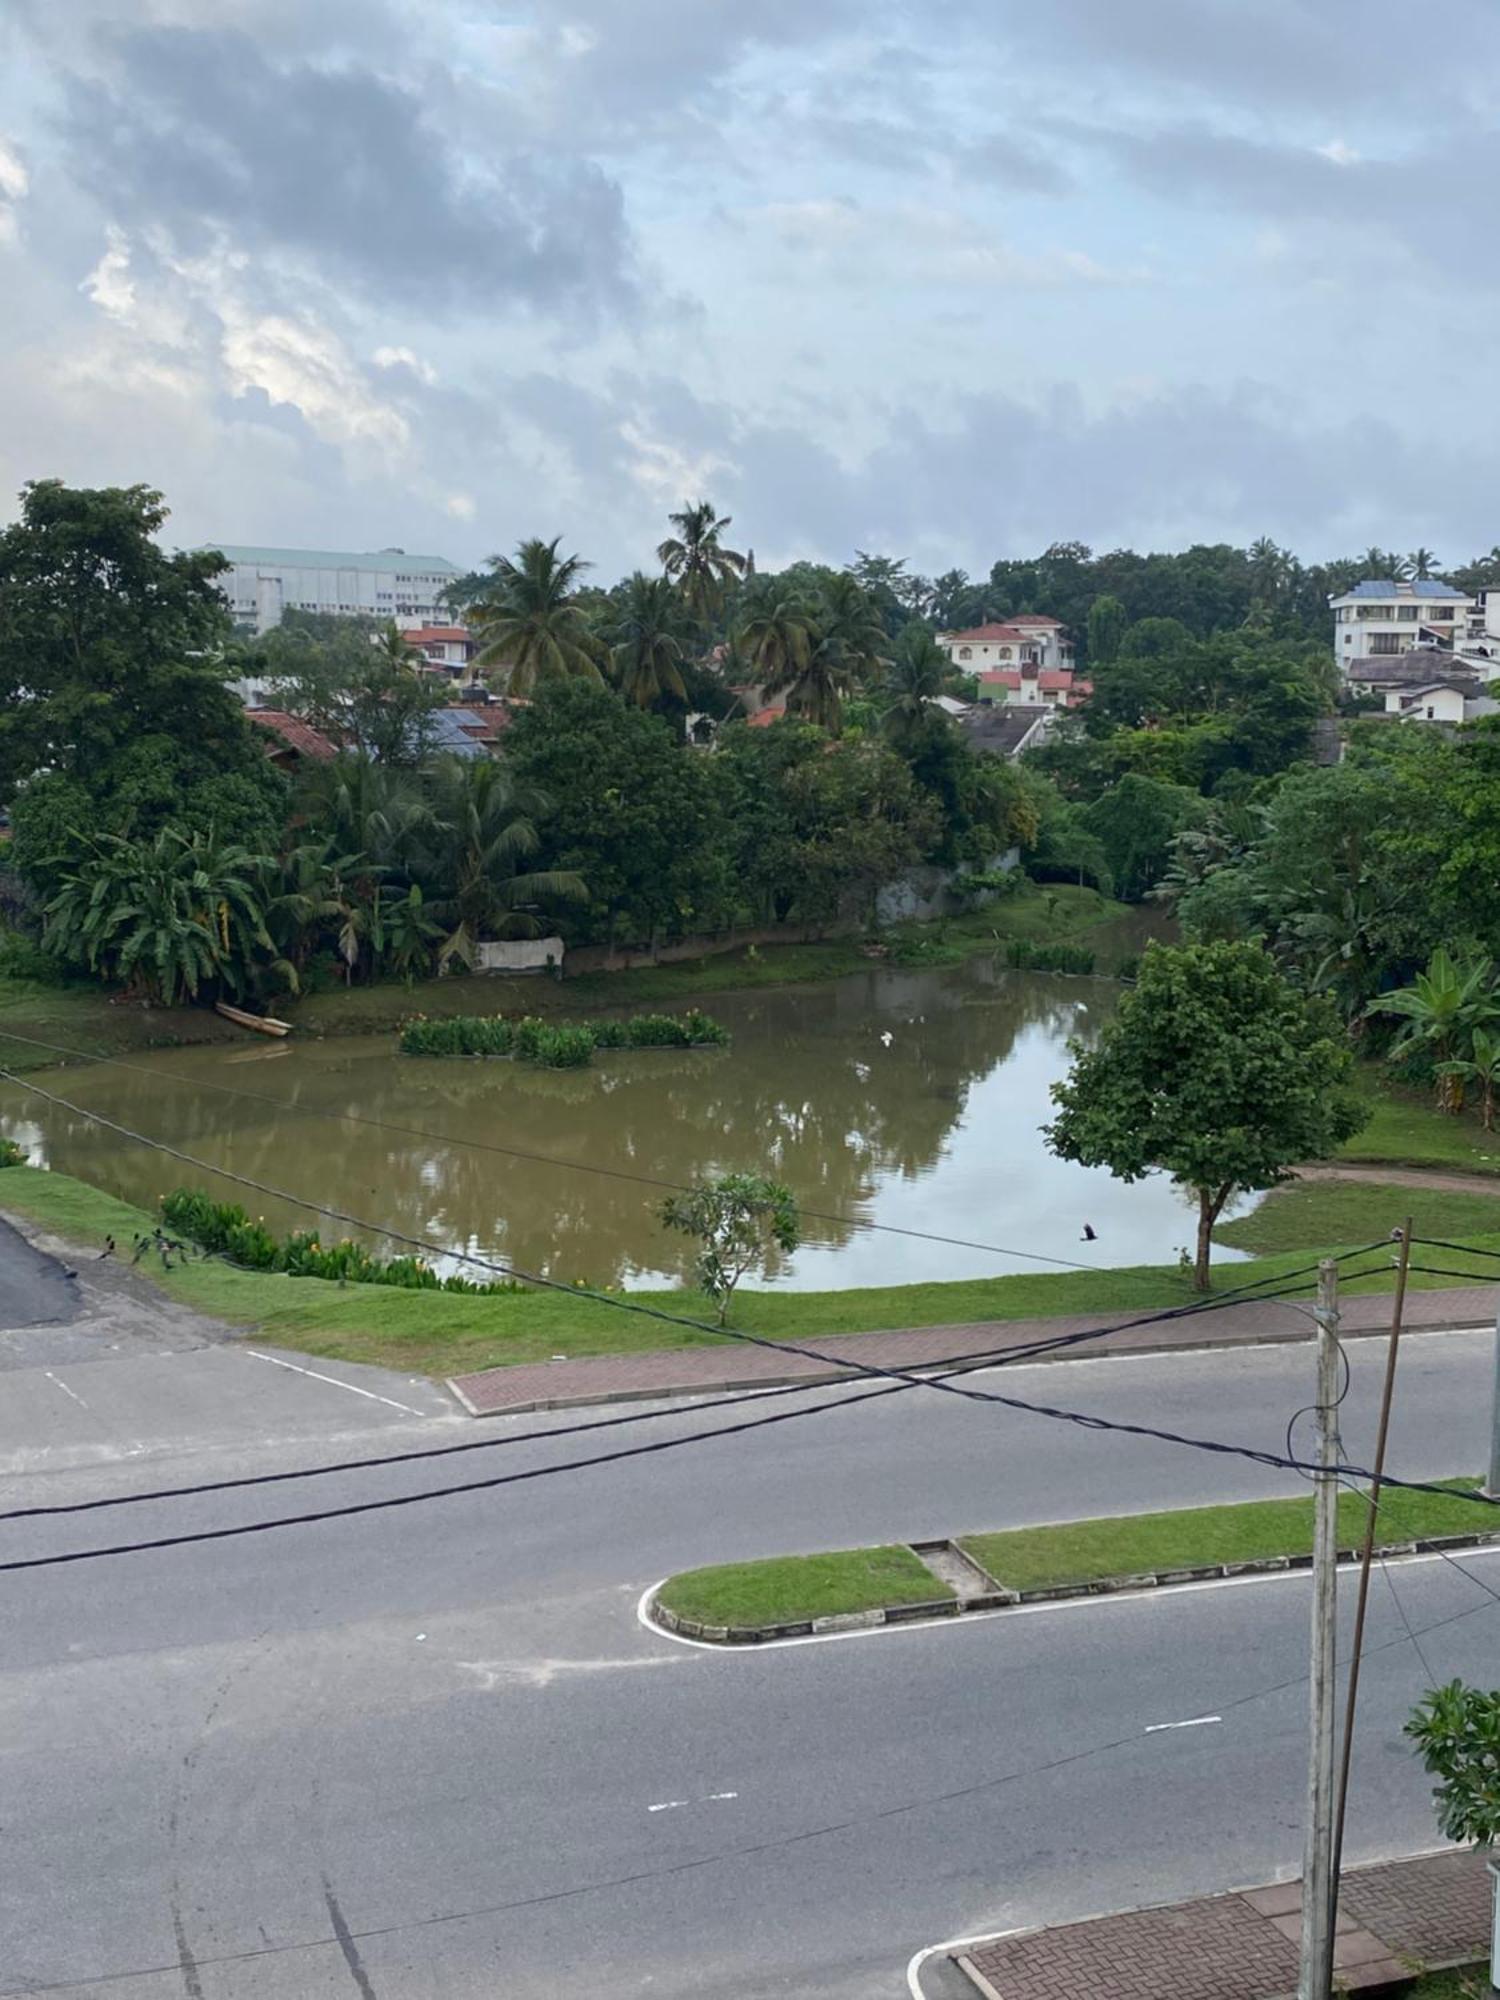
{"x":519,"y":1153}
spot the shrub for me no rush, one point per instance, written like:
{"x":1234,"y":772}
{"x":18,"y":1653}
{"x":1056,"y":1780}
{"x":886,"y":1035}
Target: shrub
{"x":12,"y":1155}
{"x":919,"y":951}
{"x":223,"y":1229}
{"x":556,"y":1044}
{"x":1028,"y":957}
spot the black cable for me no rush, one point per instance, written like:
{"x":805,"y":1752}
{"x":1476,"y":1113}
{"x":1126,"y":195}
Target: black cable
{"x":518,"y":1152}
{"x":1441,"y":1271}
{"x":1463,"y":1249}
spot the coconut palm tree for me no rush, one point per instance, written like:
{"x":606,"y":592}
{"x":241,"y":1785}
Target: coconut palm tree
{"x":483,"y":833}
{"x":1440,"y":1011}
{"x":648,"y":634}
{"x":1422,"y":564}
{"x":529,"y":624}
{"x":395,"y":649}
{"x":1383,"y":564}
{"x":913,"y":680}
{"x":1270,"y":570}
{"x":774,"y":637}
{"x":697,"y":560}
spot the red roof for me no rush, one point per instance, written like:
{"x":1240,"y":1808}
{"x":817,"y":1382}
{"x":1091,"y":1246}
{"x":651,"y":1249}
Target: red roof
{"x":1036,"y":618}
{"x":295,"y":733}
{"x":764,"y":717}
{"x":427,"y":635}
{"x":1023,"y":626}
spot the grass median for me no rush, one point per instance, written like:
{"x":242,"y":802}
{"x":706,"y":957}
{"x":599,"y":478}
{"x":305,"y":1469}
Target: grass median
{"x":444,"y":1333}
{"x":787,"y":1590}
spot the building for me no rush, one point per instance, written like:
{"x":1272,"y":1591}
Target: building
{"x":1031,"y":685}
{"x":1450,"y":701}
{"x":1008,"y":730}
{"x":450,"y":646}
{"x":1379,"y":618}
{"x":387,"y":584}
{"x":293,"y":741}
{"x":1027,"y":637}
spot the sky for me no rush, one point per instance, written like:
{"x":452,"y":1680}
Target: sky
{"x":942,"y":279}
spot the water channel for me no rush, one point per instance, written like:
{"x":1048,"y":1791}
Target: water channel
{"x":907,"y":1099}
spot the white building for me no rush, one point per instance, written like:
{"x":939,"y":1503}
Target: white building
{"x":1379,"y":618}
{"x":1027,"y":637}
{"x":387,"y":584}
{"x":1440,"y":701}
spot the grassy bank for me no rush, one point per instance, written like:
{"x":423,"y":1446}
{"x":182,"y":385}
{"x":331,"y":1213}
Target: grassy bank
{"x":1307,"y":1214}
{"x":84,"y":1017}
{"x":785,"y":1590}
{"x":790,"y":1588}
{"x":441,"y":1334}
{"x":1405,"y":1129}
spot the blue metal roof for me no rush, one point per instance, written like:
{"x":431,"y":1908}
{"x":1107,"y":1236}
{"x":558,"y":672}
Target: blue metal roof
{"x":450,"y":738}
{"x":1387,"y":587}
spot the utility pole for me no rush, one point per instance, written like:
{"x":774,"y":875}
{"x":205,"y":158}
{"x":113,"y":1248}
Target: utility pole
{"x":1492,"y":1484}
{"x":1377,"y":1476}
{"x":1315,"y":1980}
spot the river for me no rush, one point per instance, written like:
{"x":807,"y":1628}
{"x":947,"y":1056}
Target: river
{"x":911,"y":1100}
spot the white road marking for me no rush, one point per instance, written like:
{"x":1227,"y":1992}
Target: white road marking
{"x":914,"y":1969}
{"x":57,"y":1384}
{"x":493,"y":1674}
{"x":670,"y":1805}
{"x":722,"y":1795}
{"x":1193,"y":1722}
{"x":353,"y":1388}
{"x":667,"y":1805}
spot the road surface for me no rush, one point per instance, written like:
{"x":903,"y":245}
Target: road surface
{"x":431,"y":1752}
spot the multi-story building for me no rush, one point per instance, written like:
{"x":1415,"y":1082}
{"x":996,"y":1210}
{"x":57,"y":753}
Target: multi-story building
{"x":1028,"y":637}
{"x":1379,"y":618}
{"x":387,"y":584}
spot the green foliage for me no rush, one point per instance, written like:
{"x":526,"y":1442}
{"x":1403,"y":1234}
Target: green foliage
{"x":223,"y":1229}
{"x":531,"y":623}
{"x":741,"y":1222}
{"x":1107,"y":624}
{"x":814,"y":648}
{"x":1136,"y":823}
{"x":700,"y":565}
{"x":355,"y":684}
{"x":1443,"y":1012}
{"x":1457,"y":1731}
{"x":1215,"y":1070}
{"x":1023,"y":955}
{"x":555,"y":1044}
{"x":647,"y":641}
{"x":12,"y":1155}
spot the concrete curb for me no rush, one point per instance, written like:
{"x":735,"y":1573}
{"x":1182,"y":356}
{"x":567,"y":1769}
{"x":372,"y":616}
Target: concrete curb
{"x":848,"y":1372}
{"x":998,"y":1597}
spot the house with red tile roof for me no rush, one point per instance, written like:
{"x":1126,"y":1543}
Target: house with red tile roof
{"x":1010,"y":642}
{"x":293,"y":740}
{"x":1032,"y":686}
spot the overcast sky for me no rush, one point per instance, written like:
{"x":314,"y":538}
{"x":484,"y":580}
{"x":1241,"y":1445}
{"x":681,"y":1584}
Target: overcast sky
{"x":947,"y":280}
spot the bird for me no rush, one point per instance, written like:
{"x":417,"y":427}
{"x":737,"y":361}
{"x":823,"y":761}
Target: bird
{"x":1089,"y":1234}
{"x":886,"y":1039}
{"x":108,"y":1250}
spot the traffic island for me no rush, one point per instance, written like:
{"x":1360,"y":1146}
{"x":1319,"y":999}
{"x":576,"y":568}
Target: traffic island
{"x":794,"y":1597}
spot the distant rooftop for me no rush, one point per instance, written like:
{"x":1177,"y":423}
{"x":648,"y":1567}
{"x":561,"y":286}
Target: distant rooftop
{"x":1391,"y":587}
{"x":390,"y":562}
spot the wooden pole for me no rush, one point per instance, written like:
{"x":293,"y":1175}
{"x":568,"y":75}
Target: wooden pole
{"x":1316,"y":1968}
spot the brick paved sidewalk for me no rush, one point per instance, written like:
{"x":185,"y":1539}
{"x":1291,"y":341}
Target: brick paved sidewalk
{"x":733,"y":1364}
{"x":1393,"y":1918}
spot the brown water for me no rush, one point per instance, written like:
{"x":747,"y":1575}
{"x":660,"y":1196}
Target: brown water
{"x":907,"y":1099}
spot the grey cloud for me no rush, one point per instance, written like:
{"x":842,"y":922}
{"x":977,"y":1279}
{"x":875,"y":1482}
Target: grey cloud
{"x":1333,"y":55}
{"x":201,"y":132}
{"x":1028,"y":166}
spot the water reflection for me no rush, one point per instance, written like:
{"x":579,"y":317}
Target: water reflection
{"x":911,"y":1099}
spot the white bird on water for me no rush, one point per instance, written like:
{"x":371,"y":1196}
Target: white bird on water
{"x":886,"y":1039}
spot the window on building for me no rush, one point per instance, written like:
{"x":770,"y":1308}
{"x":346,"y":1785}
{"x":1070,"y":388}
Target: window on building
{"x":966,"y":652}
{"x":1386,"y":642}
{"x":1408,"y":613}
{"x":1005,"y":652}
{"x":1442,"y":612}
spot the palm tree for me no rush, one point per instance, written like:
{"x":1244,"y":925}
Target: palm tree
{"x":483,"y":832}
{"x":395,"y":649}
{"x":1422,"y":564}
{"x":1383,"y":564}
{"x":1270,"y":569}
{"x":648,"y":635}
{"x":1441,"y":1010}
{"x":775,"y":636}
{"x":529,"y":623}
{"x":1482,"y":1064}
{"x":913,"y":681}
{"x":697,"y":561}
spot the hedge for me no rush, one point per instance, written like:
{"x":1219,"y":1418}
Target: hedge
{"x":556,"y":1045}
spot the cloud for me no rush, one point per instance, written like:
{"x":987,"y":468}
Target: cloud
{"x":202,"y":133}
{"x":14,"y":184}
{"x":914,"y":240}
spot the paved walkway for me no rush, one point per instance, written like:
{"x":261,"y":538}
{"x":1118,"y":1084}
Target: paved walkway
{"x":1431,"y":1911}
{"x":736,"y":1364}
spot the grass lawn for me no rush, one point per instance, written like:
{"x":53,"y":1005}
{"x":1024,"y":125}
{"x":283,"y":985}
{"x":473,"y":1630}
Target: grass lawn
{"x":1307,"y":1214}
{"x":788,"y":1589}
{"x":1407,"y":1130}
{"x":83,"y":1016}
{"x":445,"y":1333}
{"x":1462,"y":1983}
{"x":1186,"y":1537}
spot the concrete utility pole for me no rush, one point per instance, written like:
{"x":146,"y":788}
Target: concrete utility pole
{"x":1492,"y":1484}
{"x":1315,"y":1980}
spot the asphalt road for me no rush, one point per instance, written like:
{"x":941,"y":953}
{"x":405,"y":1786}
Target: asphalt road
{"x":431,"y":1752}
{"x":34,"y":1288}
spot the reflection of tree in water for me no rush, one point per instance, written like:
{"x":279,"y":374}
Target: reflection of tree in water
{"x":829,"y":1088}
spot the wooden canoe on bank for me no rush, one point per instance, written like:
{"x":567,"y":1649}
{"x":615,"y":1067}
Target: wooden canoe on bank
{"x":263,"y":1024}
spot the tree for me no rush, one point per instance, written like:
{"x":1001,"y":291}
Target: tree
{"x":396,"y":649}
{"x":915,"y":677}
{"x":814,"y":655}
{"x":1106,"y":629}
{"x":106,"y":641}
{"x":356,"y":686}
{"x":1482,"y":1066}
{"x":481,"y":839}
{"x":1215,"y":1070}
{"x":1136,"y":823}
{"x":647,"y":649}
{"x":164,"y":916}
{"x":1457,"y":1730}
{"x":529,"y":622}
{"x":1441,"y":1010}
{"x":741,"y":1222}
{"x":697,"y":560}
{"x":1422,"y":565}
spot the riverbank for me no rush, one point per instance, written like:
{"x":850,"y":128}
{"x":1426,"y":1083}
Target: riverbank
{"x":84,"y":1017}
{"x":439,"y":1333}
